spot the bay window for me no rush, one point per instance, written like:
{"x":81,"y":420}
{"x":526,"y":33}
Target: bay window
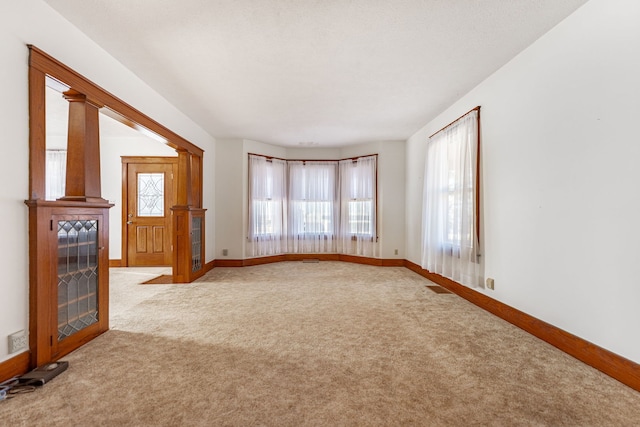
{"x":305,"y":206}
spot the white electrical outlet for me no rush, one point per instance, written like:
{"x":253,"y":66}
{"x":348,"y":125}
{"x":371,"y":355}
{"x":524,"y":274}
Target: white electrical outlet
{"x":490,"y":283}
{"x":18,"y":341}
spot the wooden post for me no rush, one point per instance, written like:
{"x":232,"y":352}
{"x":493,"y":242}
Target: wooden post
{"x":83,"y":150}
{"x":185,"y":269}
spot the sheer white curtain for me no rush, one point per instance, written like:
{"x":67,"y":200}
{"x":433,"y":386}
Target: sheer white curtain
{"x":56,"y":174}
{"x":358,"y":207}
{"x":313,"y":206}
{"x":450,"y":244}
{"x":267,"y":206}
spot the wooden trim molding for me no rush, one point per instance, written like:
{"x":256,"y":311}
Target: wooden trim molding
{"x":115,"y":263}
{"x":209,"y":266}
{"x":228,"y":262}
{"x":456,"y":120}
{"x":15,"y":366}
{"x":618,"y":367}
{"x":121,"y":111}
{"x":300,"y":257}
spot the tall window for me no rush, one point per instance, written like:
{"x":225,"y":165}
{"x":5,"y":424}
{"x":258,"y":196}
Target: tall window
{"x":312,"y":206}
{"x":450,"y":239}
{"x":358,"y":206}
{"x":267,"y":206}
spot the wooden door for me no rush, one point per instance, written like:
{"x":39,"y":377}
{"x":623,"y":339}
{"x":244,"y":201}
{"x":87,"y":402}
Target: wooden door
{"x":151,"y":192}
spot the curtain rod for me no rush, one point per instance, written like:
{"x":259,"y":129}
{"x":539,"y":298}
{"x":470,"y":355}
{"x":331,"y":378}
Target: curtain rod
{"x":312,"y":160}
{"x":453,"y":122}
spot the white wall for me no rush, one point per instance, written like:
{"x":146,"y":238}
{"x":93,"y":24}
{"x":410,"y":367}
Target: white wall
{"x":310,"y":153}
{"x":560,"y":152}
{"x":229,"y":184}
{"x":33,"y":22}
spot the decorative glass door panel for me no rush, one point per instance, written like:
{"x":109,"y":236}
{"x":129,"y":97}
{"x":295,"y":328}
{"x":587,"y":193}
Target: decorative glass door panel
{"x":196,"y":244}
{"x":77,"y":275}
{"x":151,"y":194}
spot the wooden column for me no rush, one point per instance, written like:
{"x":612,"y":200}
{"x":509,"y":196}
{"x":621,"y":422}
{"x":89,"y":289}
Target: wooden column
{"x":185,"y":194}
{"x":37,"y":135}
{"x":181,"y":220}
{"x":83,"y":150}
{"x":187,"y":264}
{"x":196,"y":181}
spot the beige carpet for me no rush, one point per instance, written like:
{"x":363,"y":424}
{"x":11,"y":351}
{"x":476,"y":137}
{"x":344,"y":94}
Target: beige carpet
{"x":327,"y":344}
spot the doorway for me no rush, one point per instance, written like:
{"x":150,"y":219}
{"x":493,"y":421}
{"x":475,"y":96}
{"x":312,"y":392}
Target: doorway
{"x":149,"y":190}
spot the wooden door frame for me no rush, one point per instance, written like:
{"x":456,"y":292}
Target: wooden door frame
{"x":126,"y":161}
{"x":44,"y":71}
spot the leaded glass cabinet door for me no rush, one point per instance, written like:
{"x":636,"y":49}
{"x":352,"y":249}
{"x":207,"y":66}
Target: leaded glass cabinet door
{"x":81,"y":280}
{"x":197,"y":249}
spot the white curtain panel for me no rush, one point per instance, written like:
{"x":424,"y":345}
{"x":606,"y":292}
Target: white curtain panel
{"x":267,"y":206}
{"x":358,"y":235}
{"x":56,"y":174}
{"x":450,"y":245}
{"x":313,"y":206}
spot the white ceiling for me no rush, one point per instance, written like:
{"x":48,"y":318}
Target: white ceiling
{"x":332,"y":72}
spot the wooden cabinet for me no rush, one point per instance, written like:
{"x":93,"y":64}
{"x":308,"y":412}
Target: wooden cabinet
{"x":70,"y":280}
{"x":188,"y":243}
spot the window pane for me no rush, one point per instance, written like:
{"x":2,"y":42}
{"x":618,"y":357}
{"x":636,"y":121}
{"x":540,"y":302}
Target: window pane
{"x":151,"y":194}
{"x":318,"y":217}
{"x":360,"y":217}
{"x":264,"y":217}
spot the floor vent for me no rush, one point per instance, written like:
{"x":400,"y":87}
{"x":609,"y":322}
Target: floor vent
{"x":311,"y":260}
{"x":438,"y":289}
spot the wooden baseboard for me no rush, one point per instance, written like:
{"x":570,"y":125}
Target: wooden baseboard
{"x":300,"y":257}
{"x":15,"y":366}
{"x":360,"y":260}
{"x":618,"y":367}
{"x":228,"y":262}
{"x":115,"y":263}
{"x":209,"y":266}
{"x":263,"y":260}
